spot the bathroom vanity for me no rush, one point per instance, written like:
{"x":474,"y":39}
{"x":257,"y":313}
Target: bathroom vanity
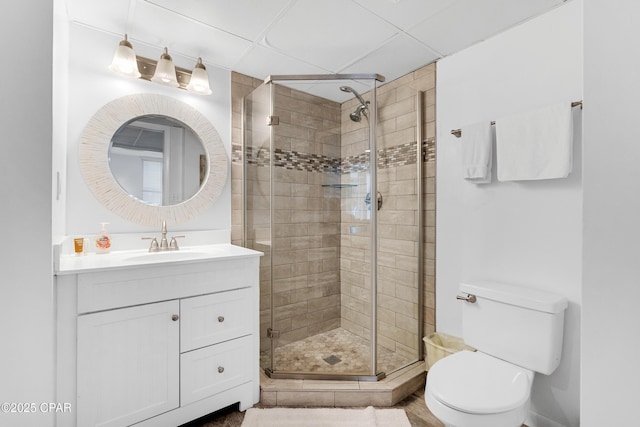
{"x":156,"y":339}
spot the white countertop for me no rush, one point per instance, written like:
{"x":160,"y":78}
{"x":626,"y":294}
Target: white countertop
{"x":73,"y":264}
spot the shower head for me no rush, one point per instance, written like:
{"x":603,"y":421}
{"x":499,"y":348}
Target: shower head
{"x":353,"y":91}
{"x":356,"y":116}
{"x":361,"y":109}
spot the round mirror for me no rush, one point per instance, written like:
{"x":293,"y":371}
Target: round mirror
{"x":157,"y":160}
{"x":172,"y":181}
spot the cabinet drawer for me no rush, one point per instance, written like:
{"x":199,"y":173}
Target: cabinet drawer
{"x":211,"y":319}
{"x":214,"y":369}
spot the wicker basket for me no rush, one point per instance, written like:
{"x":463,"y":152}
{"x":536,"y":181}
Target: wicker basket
{"x":439,"y":345}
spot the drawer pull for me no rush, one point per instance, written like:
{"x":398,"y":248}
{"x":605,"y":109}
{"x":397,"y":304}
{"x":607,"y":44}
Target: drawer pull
{"x":220,"y":369}
{"x":220,"y":319}
{"x":175,"y":317}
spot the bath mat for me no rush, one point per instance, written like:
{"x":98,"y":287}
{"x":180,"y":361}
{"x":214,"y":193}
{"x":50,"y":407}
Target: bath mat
{"x":325,"y":417}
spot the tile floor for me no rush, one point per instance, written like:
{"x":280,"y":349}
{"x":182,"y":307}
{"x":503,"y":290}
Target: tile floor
{"x":414,"y":406}
{"x":337,"y":351}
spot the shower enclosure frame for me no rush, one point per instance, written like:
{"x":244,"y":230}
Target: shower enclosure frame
{"x":373,"y":162}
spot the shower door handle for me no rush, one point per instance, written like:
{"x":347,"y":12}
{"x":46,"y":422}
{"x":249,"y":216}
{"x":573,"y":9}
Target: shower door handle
{"x":367,"y":200}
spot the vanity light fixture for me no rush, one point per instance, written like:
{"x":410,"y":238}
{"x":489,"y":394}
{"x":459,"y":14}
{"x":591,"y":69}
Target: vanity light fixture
{"x":165,"y":71}
{"x":199,"y":83}
{"x":124,"y":60}
{"x":127,"y":63}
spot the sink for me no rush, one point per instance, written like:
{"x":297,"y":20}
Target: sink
{"x":133,"y":256}
{"x":181,"y":255}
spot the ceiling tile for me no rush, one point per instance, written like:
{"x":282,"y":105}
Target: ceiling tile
{"x":405,"y":13}
{"x":245,"y":18}
{"x":328,"y":33}
{"x":469,"y":21}
{"x":394,"y":59}
{"x":389,"y":37}
{"x":110,"y":16}
{"x":260,"y":62}
{"x":159,"y":27}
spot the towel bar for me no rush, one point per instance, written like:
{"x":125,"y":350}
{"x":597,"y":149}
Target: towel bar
{"x":458,"y":132}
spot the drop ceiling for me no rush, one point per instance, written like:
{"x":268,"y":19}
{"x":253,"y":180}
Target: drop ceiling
{"x":263,"y":37}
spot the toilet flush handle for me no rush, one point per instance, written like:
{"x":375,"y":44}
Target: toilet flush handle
{"x":468,"y":298}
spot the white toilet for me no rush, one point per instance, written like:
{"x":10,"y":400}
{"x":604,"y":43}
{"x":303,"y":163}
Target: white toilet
{"x":517,"y":331}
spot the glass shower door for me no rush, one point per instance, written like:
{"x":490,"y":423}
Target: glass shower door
{"x":400,"y":230}
{"x":257,"y":201}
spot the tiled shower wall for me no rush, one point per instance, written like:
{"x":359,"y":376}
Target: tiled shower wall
{"x":306,"y":246}
{"x":321,"y":275}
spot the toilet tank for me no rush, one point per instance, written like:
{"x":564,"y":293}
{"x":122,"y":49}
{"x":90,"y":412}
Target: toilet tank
{"x":521,"y":325}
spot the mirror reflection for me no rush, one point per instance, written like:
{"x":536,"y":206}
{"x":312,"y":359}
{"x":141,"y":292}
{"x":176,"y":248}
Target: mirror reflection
{"x":158,"y":160}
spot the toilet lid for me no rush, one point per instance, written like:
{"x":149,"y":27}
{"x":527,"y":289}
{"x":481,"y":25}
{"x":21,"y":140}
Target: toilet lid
{"x":477,"y":383}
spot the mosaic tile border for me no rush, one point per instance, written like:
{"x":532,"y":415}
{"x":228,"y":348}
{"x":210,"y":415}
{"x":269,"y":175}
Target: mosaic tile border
{"x":399,"y":155}
{"x":306,"y":162}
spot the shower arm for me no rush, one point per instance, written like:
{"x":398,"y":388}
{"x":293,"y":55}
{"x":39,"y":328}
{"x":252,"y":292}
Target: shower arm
{"x":362,"y":108}
{"x":361,"y":99}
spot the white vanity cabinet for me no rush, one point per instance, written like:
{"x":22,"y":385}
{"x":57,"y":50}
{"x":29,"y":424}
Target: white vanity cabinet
{"x":159,"y":344}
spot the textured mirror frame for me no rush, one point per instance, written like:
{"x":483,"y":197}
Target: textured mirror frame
{"x":94,"y":159}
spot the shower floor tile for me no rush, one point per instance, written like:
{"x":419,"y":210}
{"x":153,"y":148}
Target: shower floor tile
{"x":336,"y":352}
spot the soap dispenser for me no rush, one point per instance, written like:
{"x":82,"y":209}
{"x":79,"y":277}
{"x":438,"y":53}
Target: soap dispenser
{"x":103,"y":241}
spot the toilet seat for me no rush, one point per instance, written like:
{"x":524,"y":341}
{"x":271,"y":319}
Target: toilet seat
{"x":476,"y":383}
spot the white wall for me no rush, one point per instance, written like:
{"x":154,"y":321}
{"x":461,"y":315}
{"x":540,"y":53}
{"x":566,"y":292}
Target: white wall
{"x":527,"y":233}
{"x":611,"y":267}
{"x":60,"y":106}
{"x":27,"y":349}
{"x":92,"y":85}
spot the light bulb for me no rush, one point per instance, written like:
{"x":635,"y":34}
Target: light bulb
{"x":165,"y":71}
{"x":199,"y":83}
{"x":124,"y":60}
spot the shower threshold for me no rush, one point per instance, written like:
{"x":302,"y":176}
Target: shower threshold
{"x":315,"y":392}
{"x":322,"y":376}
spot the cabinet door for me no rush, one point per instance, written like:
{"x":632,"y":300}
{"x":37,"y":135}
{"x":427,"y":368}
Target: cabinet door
{"x":128,"y":364}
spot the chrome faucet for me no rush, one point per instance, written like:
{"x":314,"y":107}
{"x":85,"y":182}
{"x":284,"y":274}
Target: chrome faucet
{"x":164,"y":244}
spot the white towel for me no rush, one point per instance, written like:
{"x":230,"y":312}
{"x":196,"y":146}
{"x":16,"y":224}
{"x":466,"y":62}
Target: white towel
{"x":477,"y":143}
{"x":535,"y":145}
